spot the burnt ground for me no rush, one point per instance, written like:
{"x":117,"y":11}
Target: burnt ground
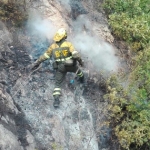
{"x":12,"y":64}
{"x":32,"y":98}
{"x":19,"y":59}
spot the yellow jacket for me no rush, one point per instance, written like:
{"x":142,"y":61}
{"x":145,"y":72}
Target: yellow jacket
{"x":55,"y":47}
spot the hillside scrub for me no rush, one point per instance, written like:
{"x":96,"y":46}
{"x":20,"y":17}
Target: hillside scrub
{"x":129,"y":108}
{"x":13,"y":12}
{"x":130,"y":21}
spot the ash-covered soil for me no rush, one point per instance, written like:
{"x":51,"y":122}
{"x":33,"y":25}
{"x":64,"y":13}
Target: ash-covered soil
{"x":28,"y":119}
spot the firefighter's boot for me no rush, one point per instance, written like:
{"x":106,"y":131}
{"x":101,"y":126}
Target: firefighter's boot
{"x":83,"y":82}
{"x":81,"y":79}
{"x":56,"y":102}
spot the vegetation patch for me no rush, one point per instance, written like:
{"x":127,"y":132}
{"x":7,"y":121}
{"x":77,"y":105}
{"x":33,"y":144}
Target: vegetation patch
{"x":130,"y":21}
{"x":129,"y":99}
{"x":13,"y":13}
{"x":129,"y":115}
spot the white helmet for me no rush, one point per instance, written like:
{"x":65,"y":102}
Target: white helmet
{"x":60,"y":34}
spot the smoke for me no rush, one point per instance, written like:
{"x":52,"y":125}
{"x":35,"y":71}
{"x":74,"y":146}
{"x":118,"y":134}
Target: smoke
{"x":73,"y":7}
{"x":40,"y":26}
{"x":41,"y":32}
{"x":100,"y":53}
{"x":65,"y":3}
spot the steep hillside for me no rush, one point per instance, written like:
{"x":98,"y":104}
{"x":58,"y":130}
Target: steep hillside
{"x":28,"y":119}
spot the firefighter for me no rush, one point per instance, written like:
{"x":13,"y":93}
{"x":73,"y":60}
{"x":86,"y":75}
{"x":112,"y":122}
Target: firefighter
{"x":66,"y":59}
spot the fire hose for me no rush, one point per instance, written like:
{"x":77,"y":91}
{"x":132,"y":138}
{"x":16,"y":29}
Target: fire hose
{"x":26,"y":80}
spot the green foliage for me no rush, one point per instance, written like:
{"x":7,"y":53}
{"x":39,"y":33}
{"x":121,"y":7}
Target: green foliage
{"x":129,"y":109}
{"x":141,"y":74}
{"x":130,"y":21}
{"x":11,"y":13}
{"x":129,"y":112}
{"x":132,"y":7}
{"x":56,"y":146}
{"x":133,"y":30}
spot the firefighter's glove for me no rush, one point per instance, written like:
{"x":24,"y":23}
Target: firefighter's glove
{"x":35,"y":65}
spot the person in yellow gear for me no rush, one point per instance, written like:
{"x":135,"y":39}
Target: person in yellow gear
{"x":66,"y":58}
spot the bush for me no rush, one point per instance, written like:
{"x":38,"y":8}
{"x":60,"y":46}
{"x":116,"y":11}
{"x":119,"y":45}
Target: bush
{"x":129,"y":108}
{"x":11,"y":13}
{"x":130,"y":21}
{"x":132,"y":7}
{"x":135,"y":31}
{"x":129,"y":114}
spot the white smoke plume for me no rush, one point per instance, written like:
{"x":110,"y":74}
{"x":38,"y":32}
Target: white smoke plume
{"x":100,"y":53}
{"x":41,"y":32}
{"x":40,"y":26}
{"x":65,"y":3}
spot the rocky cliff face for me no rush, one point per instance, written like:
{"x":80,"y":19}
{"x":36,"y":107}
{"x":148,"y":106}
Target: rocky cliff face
{"x":28,"y":120}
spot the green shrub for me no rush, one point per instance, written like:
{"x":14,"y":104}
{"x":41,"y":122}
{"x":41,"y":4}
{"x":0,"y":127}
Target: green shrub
{"x":135,"y":31}
{"x":129,"y":108}
{"x":129,"y":114}
{"x":140,"y":75}
{"x":12,"y":13}
{"x":130,"y":21}
{"x":132,"y":7}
